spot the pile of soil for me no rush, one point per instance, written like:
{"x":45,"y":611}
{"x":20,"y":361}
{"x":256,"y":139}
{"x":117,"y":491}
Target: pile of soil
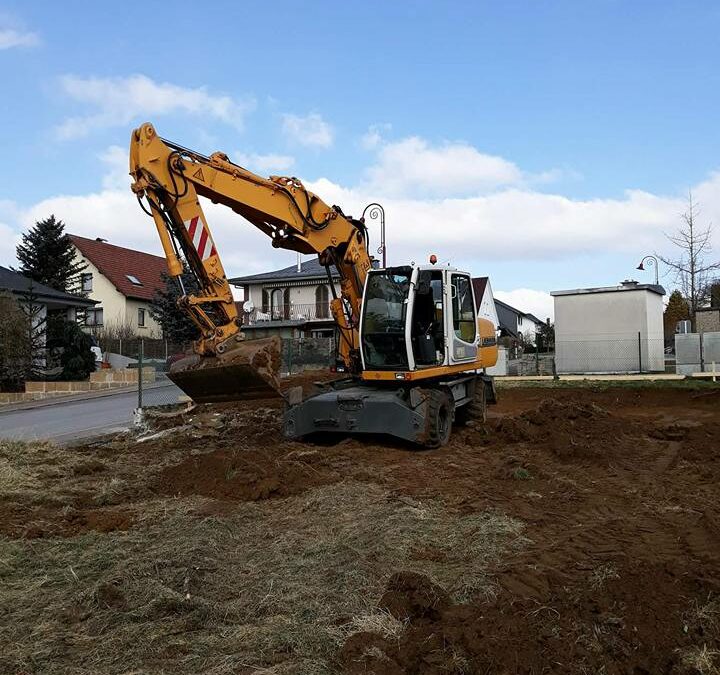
{"x":574,"y":432}
{"x":21,"y":521}
{"x":622,"y":626}
{"x":248,"y":475}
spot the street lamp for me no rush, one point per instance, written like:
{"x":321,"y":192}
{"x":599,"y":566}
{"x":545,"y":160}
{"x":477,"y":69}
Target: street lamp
{"x":653,"y":262}
{"x":377,"y":211}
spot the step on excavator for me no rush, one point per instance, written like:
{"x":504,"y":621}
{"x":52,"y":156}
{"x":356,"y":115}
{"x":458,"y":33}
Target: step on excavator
{"x":409,"y":341}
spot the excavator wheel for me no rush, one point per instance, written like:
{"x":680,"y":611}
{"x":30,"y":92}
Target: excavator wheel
{"x":438,"y":419}
{"x":475,"y":411}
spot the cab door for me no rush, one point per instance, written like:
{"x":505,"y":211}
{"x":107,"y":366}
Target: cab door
{"x":462,"y":318}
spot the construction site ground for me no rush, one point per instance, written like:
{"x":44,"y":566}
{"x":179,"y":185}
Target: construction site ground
{"x":578,"y":531}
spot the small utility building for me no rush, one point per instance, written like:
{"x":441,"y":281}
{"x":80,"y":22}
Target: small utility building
{"x":615,"y":329}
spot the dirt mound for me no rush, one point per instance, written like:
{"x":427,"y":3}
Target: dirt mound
{"x":39,"y":522}
{"x":570,"y":431}
{"x":617,"y":618}
{"x":245,"y":475}
{"x":411,"y":595}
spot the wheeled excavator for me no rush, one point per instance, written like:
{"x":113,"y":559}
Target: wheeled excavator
{"x":409,"y":341}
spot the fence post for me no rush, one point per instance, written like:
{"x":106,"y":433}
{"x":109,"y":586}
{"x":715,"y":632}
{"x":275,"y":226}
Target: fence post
{"x":289,"y":357}
{"x":140,"y":373}
{"x":537,"y":357}
{"x":640,"y":351}
{"x":120,"y":346}
{"x":702,"y":354}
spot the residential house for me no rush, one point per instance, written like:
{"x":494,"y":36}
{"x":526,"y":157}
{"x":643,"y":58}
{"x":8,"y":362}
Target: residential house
{"x":39,"y":300}
{"x":707,"y":319}
{"x":516,"y":324}
{"x":48,"y":299}
{"x":123,"y":282}
{"x":291,"y":302}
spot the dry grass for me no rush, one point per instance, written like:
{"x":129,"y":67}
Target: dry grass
{"x":267,"y":587}
{"x":702,"y":660}
{"x":601,"y":575}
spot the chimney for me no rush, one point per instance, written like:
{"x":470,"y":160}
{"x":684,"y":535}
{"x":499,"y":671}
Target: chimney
{"x":299,"y":263}
{"x":629,"y":283}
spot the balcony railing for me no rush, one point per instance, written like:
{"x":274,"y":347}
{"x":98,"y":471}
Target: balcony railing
{"x":315,"y":311}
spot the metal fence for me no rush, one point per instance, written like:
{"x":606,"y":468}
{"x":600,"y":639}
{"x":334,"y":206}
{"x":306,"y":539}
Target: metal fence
{"x":316,"y":311}
{"x":611,"y":355}
{"x":697,"y":352}
{"x":600,"y":356}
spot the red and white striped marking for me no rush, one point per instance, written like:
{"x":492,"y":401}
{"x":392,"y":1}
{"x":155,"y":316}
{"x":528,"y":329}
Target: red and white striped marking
{"x":200,"y":237}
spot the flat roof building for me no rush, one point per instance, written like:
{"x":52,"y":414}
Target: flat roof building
{"x":612,"y":329}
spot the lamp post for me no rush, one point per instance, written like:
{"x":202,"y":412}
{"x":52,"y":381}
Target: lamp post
{"x":652,"y":261}
{"x":377,"y":211}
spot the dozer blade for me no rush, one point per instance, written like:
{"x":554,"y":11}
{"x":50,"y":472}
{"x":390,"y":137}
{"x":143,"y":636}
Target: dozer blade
{"x":248,"y":371}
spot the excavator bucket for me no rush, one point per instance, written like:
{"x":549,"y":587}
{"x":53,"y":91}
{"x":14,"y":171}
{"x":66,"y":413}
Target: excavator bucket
{"x":246,"y":372}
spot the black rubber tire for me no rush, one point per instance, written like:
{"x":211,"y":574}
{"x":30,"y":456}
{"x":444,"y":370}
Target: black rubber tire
{"x":474,"y":412}
{"x":439,"y":419}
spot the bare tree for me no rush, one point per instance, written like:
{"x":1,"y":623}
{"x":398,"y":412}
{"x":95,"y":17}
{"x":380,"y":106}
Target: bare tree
{"x":692,"y":269}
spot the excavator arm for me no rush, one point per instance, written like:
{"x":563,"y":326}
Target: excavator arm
{"x":168,"y":179}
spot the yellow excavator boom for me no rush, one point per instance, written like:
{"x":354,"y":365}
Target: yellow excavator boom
{"x":168,"y":181}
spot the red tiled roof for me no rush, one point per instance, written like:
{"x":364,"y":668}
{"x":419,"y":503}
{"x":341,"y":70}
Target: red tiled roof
{"x":116,"y":262}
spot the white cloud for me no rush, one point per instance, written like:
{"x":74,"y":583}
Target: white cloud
{"x":120,"y":100}
{"x":535,"y":302}
{"x":413,"y":167}
{"x":10,"y":38}
{"x":373,"y":137}
{"x":116,"y":159}
{"x":515,"y":225}
{"x":311,"y":130}
{"x":264,"y":163}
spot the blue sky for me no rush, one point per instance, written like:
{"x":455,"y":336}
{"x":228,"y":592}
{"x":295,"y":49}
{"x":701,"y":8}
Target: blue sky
{"x":547,"y":144}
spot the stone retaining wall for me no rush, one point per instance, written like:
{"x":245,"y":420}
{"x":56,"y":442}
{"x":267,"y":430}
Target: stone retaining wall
{"x":99,"y":380}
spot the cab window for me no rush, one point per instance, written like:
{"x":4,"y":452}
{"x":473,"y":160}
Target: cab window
{"x":463,"y":309}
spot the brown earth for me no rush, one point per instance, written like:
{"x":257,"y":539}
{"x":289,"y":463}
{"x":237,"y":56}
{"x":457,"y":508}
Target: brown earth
{"x":617,"y":490}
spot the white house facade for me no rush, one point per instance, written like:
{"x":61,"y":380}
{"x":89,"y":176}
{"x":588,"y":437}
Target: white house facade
{"x":290,"y":302}
{"x":123,"y":283}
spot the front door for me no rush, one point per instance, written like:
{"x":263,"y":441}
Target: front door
{"x":462,"y":330}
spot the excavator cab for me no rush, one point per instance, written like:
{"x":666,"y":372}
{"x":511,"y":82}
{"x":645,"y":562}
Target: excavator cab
{"x":417,"y":318}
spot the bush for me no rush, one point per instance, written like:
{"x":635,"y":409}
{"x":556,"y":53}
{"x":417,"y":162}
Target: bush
{"x":14,"y":348}
{"x":73,"y":346}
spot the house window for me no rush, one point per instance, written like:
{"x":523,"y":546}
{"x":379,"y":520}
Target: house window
{"x":133,"y":280}
{"x":321,"y":302}
{"x":86,"y":281}
{"x":94,"y":317}
{"x":141,"y":317}
{"x":276,"y":300}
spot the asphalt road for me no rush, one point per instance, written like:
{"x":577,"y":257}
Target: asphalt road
{"x":68,"y":421}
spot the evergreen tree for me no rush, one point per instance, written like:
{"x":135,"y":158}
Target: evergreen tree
{"x":715,"y":294}
{"x":175,"y":323}
{"x":15,"y":356}
{"x":678,"y":309}
{"x":72,"y":344}
{"x":36,"y":324}
{"x":47,"y":255}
